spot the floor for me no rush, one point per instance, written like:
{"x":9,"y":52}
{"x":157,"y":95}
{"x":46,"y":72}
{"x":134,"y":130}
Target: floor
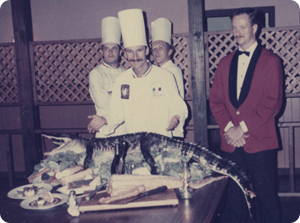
{"x":290,"y":206}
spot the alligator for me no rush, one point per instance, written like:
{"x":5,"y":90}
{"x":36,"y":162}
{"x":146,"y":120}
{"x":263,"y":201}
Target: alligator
{"x":149,"y":143}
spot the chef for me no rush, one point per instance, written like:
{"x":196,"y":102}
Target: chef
{"x":145,"y":96}
{"x":102,"y":77}
{"x":162,"y":50}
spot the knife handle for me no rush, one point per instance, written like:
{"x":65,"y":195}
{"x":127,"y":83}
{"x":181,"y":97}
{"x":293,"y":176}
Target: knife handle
{"x":91,"y":195}
{"x":156,"y":191}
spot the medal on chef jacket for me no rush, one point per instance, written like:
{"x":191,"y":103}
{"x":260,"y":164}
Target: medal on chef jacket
{"x":161,"y":29}
{"x":157,"y":89}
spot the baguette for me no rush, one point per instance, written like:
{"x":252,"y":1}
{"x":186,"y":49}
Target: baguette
{"x":69,"y":171}
{"x":31,"y":178}
{"x":119,"y":183}
{"x":126,"y":194}
{"x":77,"y":176}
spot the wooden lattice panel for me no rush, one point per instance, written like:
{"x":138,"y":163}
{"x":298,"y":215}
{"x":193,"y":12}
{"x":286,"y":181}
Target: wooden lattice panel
{"x":62,"y":69}
{"x":181,"y":59}
{"x":8,"y":77}
{"x":286,"y":44}
{"x":283,"y":42}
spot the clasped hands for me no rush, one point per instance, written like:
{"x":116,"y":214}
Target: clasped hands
{"x":97,"y":122}
{"x":235,"y":136}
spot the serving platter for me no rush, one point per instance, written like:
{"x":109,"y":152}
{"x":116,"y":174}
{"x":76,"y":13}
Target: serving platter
{"x":17,"y":193}
{"x":31,"y":203}
{"x":78,"y":191}
{"x":167,"y":198}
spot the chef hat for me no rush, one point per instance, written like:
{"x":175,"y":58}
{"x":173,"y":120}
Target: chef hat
{"x":111,"y":32}
{"x":132,"y":27}
{"x":161,"y":30}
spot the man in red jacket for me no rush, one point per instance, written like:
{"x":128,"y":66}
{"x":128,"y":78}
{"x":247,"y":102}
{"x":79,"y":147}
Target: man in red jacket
{"x":245,"y":98}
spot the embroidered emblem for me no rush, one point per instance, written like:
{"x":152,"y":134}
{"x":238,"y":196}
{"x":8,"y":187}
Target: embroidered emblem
{"x":125,"y":91}
{"x":157,"y":89}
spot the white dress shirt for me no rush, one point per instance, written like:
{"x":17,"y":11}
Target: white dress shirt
{"x":243,"y":63}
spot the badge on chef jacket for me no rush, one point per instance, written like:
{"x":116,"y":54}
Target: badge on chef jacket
{"x":125,"y":91}
{"x":157,"y":89}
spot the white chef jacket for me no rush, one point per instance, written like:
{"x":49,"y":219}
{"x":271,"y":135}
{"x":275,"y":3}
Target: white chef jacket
{"x":101,"y":81}
{"x":147,"y":103}
{"x":177,"y":72}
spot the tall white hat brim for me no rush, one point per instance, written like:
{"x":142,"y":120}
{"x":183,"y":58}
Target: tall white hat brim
{"x":161,"y":30}
{"x":110,"y":29}
{"x":132,"y":27}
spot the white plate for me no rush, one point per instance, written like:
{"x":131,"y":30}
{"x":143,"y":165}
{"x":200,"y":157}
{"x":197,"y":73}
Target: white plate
{"x":17,"y":193}
{"x":31,"y":203}
{"x":78,"y":191}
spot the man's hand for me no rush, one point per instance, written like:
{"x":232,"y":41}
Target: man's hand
{"x":96,"y":123}
{"x":235,"y":136}
{"x":173,"y":123}
{"x":241,"y":142}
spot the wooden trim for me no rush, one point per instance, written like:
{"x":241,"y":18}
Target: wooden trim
{"x":33,"y":43}
{"x":12,"y":104}
{"x":215,"y":32}
{"x":22,"y":26}
{"x":6,"y":44}
{"x":198,"y":82}
{"x":227,"y":12}
{"x":66,"y":103}
{"x":292,"y":95}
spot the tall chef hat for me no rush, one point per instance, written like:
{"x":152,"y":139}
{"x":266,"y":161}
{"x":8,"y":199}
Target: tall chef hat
{"x":161,"y":30}
{"x":132,"y":27}
{"x":111,"y":32}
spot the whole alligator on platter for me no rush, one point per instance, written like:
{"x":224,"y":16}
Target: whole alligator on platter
{"x":125,"y":152}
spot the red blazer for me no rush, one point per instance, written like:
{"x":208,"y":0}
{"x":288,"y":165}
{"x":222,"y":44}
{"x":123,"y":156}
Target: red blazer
{"x":258,"y":110}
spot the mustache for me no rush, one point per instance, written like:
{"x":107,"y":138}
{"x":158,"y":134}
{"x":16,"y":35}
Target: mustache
{"x":240,"y":36}
{"x":137,"y":60}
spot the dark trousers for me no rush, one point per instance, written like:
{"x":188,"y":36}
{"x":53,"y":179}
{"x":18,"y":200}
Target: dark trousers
{"x":260,"y":167}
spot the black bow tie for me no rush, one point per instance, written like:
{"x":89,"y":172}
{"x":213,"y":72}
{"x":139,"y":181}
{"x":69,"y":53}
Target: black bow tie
{"x":244,"y":52}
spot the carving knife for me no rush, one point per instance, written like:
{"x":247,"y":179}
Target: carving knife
{"x":148,"y":193}
{"x":95,"y":191}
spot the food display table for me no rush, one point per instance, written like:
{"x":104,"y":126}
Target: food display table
{"x":199,"y":209}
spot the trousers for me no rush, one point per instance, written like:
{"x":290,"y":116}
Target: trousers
{"x":261,"y":169}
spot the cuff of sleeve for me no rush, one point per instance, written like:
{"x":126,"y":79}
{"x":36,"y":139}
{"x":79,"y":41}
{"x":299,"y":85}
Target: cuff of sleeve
{"x":177,"y":133}
{"x":228,"y":126}
{"x":244,"y":127}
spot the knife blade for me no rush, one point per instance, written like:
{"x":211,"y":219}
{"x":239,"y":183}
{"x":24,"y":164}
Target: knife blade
{"x":148,"y":193}
{"x":95,"y":191}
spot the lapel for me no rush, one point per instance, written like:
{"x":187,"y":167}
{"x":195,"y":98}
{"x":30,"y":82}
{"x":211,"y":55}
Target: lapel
{"x":248,"y":78}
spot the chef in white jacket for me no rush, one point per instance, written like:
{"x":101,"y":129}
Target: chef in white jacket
{"x":162,"y":50}
{"x":103,"y":76}
{"x":145,"y":96}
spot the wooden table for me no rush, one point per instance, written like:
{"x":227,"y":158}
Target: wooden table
{"x":199,"y":209}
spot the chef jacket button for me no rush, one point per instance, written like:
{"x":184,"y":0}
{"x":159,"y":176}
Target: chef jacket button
{"x":238,"y":112}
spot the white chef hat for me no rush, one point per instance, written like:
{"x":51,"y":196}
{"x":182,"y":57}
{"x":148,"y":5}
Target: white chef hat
{"x":132,"y":27}
{"x":111,"y":32}
{"x":161,"y":30}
